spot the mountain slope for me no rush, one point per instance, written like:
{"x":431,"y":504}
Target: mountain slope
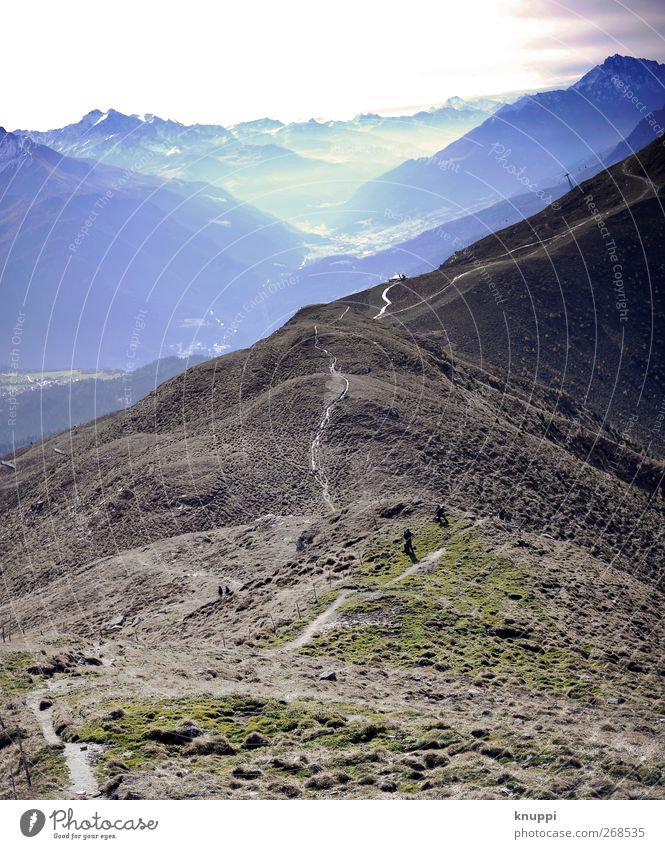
{"x":650,"y":127}
{"x":570,"y":298}
{"x":531,"y":143}
{"x":216,"y":575}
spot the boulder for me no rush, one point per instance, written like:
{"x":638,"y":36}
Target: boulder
{"x":328,"y":675}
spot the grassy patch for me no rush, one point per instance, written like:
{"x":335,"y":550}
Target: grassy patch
{"x":133,"y":731}
{"x":386,"y":562}
{"x":473,"y":613}
{"x":13,"y":675}
{"x":49,"y":772}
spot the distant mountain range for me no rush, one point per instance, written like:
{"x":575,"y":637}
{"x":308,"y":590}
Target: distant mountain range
{"x":124,"y":233}
{"x":529,"y":144}
{"x":295,"y":171}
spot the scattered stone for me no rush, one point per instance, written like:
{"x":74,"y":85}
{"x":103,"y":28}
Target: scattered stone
{"x":176,"y":736}
{"x":329,"y":675}
{"x":45,"y":704}
{"x":116,"y":713}
{"x":615,"y":700}
{"x":388,"y":787}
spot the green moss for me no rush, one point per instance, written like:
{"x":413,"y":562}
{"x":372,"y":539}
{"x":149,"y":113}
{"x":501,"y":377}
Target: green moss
{"x":459,"y":615}
{"x":13,"y":675}
{"x":49,"y":772}
{"x":128,"y":737}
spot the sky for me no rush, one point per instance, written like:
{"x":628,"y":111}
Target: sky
{"x":296,"y":59}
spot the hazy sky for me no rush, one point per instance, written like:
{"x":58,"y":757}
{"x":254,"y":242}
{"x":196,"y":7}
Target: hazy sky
{"x":293,"y":59}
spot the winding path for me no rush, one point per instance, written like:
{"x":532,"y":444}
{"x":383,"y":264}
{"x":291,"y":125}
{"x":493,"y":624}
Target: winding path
{"x":323,"y":619}
{"x":82,"y":782}
{"x":316,"y":463}
{"x":388,"y":302}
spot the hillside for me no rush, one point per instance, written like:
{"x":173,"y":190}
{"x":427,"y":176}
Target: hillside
{"x":209,"y":593}
{"x":570,"y":298}
{"x":49,"y":409}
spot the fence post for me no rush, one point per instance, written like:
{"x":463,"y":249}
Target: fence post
{"x":23,"y":757}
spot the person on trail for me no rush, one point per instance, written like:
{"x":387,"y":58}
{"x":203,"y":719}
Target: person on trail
{"x":408,"y":544}
{"x":440,"y":515}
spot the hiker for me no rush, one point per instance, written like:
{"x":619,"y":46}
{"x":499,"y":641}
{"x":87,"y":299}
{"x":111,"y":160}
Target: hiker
{"x":440,"y":515}
{"x":408,"y":544}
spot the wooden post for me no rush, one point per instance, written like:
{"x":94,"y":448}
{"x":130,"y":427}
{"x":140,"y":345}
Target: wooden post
{"x":298,"y":609}
{"x":3,"y":632}
{"x":223,"y":640}
{"x":274,"y":627}
{"x":316,"y":598}
{"x":23,"y":757}
{"x":11,"y":781}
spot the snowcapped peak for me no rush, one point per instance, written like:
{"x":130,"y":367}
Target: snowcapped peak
{"x":13,"y":148}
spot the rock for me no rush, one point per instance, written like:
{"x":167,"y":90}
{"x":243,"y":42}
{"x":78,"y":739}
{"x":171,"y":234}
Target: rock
{"x":435,"y":759}
{"x":125,"y":494}
{"x":84,"y":748}
{"x":45,"y":704}
{"x":392,"y":510}
{"x":174,"y":736}
{"x":117,"y":620}
{"x":509,"y":632}
{"x":116,"y":713}
{"x":329,"y":675}
{"x":388,"y":787}
{"x":615,"y":700}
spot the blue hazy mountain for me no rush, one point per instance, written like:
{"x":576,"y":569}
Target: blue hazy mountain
{"x":650,"y":127}
{"x":103,"y":265}
{"x":526,"y":145}
{"x":301,"y":171}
